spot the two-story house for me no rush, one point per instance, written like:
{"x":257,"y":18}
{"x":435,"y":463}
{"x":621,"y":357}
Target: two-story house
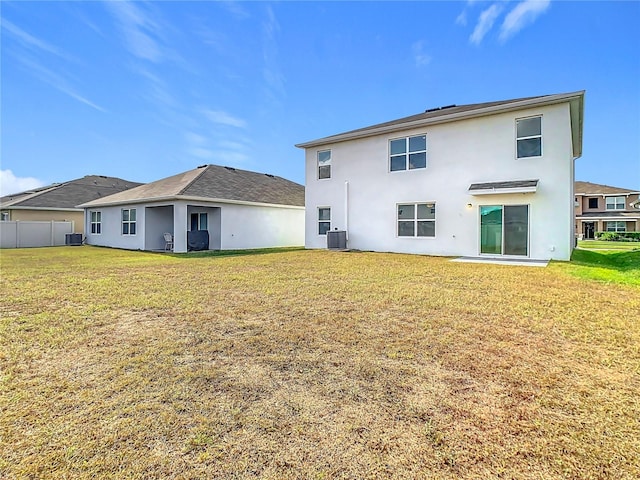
{"x":601,"y":208}
{"x":489,"y":179}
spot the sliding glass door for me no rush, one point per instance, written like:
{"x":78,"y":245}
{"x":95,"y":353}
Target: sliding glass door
{"x":504,"y":229}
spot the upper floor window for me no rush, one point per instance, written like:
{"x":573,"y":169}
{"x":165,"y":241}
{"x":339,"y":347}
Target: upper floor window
{"x":615,"y":203}
{"x":324,"y":220}
{"x":408,"y":153}
{"x":128,"y":221}
{"x":96,"y":223}
{"x":324,"y":164}
{"x":529,"y":137}
{"x":417,"y":220}
{"x":593,"y":203}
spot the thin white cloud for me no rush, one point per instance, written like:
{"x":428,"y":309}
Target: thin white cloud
{"x":271,"y":72}
{"x":9,"y":183}
{"x":140,"y":31}
{"x":235,"y":8}
{"x":485,"y":22}
{"x":57,"y":81}
{"x":32,"y":42}
{"x":462,"y":18}
{"x":223,"y":118}
{"x":420,"y":57}
{"x":523,"y":14}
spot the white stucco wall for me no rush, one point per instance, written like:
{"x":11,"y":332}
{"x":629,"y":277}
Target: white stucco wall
{"x":231,"y":226}
{"x":458,"y":154}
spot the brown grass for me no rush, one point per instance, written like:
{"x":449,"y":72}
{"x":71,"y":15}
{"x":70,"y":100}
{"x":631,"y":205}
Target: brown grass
{"x":313,"y":364}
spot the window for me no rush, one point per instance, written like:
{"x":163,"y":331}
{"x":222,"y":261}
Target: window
{"x":417,"y":220}
{"x":529,"y":137}
{"x":96,"y":222}
{"x":128,"y":221}
{"x":199,"y":221}
{"x":324,"y":220}
{"x":4,"y":217}
{"x":408,"y":153}
{"x":615,"y":203}
{"x":593,"y":203}
{"x":615,"y":226}
{"x":324,"y":164}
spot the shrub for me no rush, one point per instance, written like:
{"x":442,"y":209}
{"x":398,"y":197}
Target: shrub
{"x":618,"y":236}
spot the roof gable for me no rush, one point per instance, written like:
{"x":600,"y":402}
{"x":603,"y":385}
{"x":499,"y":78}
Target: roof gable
{"x":214,"y":182}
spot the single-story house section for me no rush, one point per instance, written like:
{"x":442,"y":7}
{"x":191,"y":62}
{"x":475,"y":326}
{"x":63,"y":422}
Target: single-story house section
{"x":211,"y":207}
{"x":58,"y":202}
{"x":490,"y":179}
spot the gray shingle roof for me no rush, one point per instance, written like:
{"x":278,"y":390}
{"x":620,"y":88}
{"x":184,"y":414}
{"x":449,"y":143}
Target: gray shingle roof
{"x":68,"y":194}
{"x":216,"y":183}
{"x":597,"y":189}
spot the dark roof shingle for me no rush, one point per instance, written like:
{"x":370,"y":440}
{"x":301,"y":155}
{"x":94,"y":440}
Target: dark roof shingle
{"x":216,"y":183}
{"x":68,"y":194}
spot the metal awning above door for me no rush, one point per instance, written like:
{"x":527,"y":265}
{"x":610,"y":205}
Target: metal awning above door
{"x":496,"y":188}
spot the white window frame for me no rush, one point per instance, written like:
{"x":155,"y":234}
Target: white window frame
{"x":540,"y":136}
{"x":128,"y":222}
{"x":95,"y":226}
{"x":325,"y":163}
{"x":618,"y":201}
{"x":4,"y":217}
{"x":618,"y":226}
{"x":322,"y":221}
{"x":415,"y":220}
{"x":407,"y":153}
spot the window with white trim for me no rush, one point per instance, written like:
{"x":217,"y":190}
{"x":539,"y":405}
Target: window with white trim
{"x":615,"y":226}
{"x":529,"y":137}
{"x":128,"y":221}
{"x":615,"y":203}
{"x":4,"y":216}
{"x":96,"y":223}
{"x":324,"y":220}
{"x":324,"y":164}
{"x":408,"y":153}
{"x":417,"y":220}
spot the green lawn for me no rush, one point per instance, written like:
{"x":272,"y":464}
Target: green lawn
{"x":605,"y":245}
{"x":317,"y":364}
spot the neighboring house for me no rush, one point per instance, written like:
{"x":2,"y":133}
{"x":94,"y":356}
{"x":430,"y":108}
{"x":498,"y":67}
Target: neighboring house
{"x":488,"y":179}
{"x":238,"y":209}
{"x":601,"y":208}
{"x":58,"y":201}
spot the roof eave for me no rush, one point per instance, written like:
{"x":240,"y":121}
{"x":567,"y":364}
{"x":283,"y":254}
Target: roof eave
{"x":520,"y":105}
{"x":189,"y":199}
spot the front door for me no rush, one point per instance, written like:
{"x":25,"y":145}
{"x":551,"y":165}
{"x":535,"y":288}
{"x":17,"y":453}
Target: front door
{"x":588,"y":229}
{"x":504,"y":230}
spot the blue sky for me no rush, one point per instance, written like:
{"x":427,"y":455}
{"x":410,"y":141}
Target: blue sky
{"x":144,"y":90}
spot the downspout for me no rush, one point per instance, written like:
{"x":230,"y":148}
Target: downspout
{"x":346,"y":208}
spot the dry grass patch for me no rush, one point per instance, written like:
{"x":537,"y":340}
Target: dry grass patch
{"x":313,"y":364}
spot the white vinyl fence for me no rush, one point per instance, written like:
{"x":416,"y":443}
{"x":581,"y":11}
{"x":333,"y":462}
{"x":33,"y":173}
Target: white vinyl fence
{"x":22,"y":234}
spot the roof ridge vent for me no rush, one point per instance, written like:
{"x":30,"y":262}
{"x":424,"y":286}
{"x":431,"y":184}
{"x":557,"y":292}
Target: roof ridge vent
{"x":439,"y":108}
{"x":230,"y":168}
{"x":203,"y":166}
{"x":269,"y":175}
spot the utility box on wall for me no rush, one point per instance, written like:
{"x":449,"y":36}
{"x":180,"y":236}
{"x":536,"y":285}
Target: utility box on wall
{"x":337,"y":240}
